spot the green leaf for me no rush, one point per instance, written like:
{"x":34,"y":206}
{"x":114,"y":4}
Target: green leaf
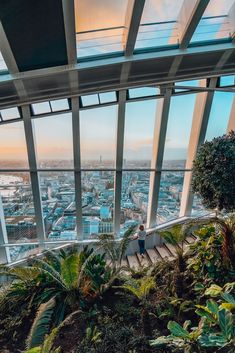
{"x":227,"y":306}
{"x":213,"y":290}
{"x":34,"y":350}
{"x":70,"y":270}
{"x":199,"y":286}
{"x":212,"y":340}
{"x":177,"y":330}
{"x":228,"y":297}
{"x":203,"y":311}
{"x":226,"y":323}
{"x":212,"y":306}
{"x":41,"y":324}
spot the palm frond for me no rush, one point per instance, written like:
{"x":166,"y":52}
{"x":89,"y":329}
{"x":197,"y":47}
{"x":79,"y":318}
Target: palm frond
{"x":140,"y":288}
{"x":26,"y":273}
{"x":125,"y":242}
{"x":48,"y":343}
{"x":49,"y":271}
{"x":70,"y":268}
{"x":41,"y":324}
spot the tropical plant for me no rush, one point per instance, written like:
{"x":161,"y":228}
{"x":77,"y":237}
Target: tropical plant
{"x":213,"y":173}
{"x":58,"y":285}
{"x":140,"y":288}
{"x":206,"y":260}
{"x":225,"y":227}
{"x":176,"y":237}
{"x":216,"y":327}
{"x":114,"y":250}
{"x":47,"y":346}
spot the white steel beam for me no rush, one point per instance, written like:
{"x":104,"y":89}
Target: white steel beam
{"x":132,"y":22}
{"x":229,"y":23}
{"x":70,"y":32}
{"x":201,"y":114}
{"x":4,"y":252}
{"x":70,"y":35}
{"x":162,"y":113}
{"x":231,"y":122}
{"x":77,"y":165}
{"x":188,"y":19}
{"x":119,"y":159}
{"x":102,"y":63}
{"x":31,"y":151}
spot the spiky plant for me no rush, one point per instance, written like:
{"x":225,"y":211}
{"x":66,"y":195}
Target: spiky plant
{"x":41,"y":324}
{"x":71,"y":281}
{"x":140,"y":288}
{"x":176,"y":237}
{"x":115,"y":250}
{"x":47,"y":345}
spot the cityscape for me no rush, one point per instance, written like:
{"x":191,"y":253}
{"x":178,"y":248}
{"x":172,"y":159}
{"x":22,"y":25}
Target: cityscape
{"x":58,"y":201}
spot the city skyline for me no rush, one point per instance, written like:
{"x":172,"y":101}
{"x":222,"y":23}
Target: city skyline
{"x":53,"y":135}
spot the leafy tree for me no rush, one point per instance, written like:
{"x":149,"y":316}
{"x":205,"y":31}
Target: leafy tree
{"x":214,"y":173}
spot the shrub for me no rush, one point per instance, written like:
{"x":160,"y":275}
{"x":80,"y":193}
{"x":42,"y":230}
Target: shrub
{"x":213,"y":173}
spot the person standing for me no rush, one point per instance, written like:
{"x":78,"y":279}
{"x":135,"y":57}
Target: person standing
{"x":141,"y":239}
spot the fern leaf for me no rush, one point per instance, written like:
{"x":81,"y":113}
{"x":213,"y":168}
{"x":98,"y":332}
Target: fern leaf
{"x":41,"y":324}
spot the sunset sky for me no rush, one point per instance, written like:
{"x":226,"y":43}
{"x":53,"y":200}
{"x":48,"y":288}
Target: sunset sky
{"x":53,"y":135}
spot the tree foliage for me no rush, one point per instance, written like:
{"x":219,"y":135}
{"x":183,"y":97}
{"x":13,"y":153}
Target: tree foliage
{"x":214,"y":173}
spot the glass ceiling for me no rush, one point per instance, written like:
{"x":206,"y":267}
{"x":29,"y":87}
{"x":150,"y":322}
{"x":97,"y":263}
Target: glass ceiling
{"x":100,"y":24}
{"x":158,"y":23}
{"x":214,"y":23}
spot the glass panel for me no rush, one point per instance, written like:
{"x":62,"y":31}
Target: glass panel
{"x":17,"y":198}
{"x":54,"y":141}
{"x":10,"y":113}
{"x":92,"y":99}
{"x":158,"y":24}
{"x":178,"y":131}
{"x":134,"y":202}
{"x":108,"y":97}
{"x":169,"y":196}
{"x":214,"y":23}
{"x":23,"y":251}
{"x":99,"y":26}
{"x":138,"y":138}
{"x":97,"y":200}
{"x":41,"y":108}
{"x":191,"y":83}
{"x":59,"y":211}
{"x":227,"y":80}
{"x":143,"y":92}
{"x":3,"y":65}
{"x":13,"y":151}
{"x":60,"y":104}
{"x":219,"y":115}
{"x":98,"y":128}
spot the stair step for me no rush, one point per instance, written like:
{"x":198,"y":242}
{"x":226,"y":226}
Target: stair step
{"x":153,"y":255}
{"x":171,"y":248}
{"x":190,"y":239}
{"x":133,"y":261}
{"x":143,"y":261}
{"x":162,"y":251}
{"x":124,"y":262}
